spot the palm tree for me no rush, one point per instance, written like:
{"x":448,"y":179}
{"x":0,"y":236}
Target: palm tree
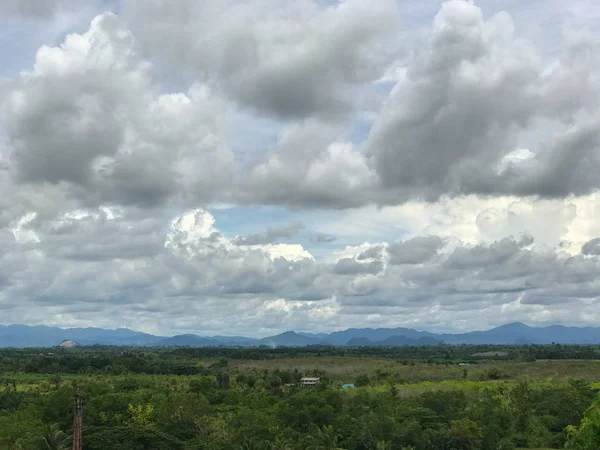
{"x":383,"y":445}
{"x":19,"y":445}
{"x":253,"y":444}
{"x":278,"y":444}
{"x":325,"y":439}
{"x":53,"y":439}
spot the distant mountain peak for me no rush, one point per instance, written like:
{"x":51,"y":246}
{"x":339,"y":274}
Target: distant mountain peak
{"x":289,"y":333}
{"x":515,"y":326}
{"x":514,"y":333}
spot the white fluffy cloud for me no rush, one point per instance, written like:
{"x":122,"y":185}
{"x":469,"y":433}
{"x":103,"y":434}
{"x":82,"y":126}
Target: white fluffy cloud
{"x":90,"y":118}
{"x":310,"y":167}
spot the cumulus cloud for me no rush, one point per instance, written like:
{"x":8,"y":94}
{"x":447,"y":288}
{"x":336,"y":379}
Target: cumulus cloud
{"x":310,"y":167}
{"x":452,"y":115}
{"x":468,"y":103}
{"x":469,"y":97}
{"x":283,"y":59}
{"x":89,"y":117}
{"x":91,"y":262}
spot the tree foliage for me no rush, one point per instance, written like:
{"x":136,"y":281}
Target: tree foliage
{"x":200,"y":399}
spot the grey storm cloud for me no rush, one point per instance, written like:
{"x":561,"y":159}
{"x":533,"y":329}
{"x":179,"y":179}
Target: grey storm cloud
{"x":414,"y":251}
{"x":483,"y":255}
{"x":96,"y":237}
{"x":324,"y":238}
{"x":271,"y":235}
{"x":591,"y":247}
{"x":289,"y":60}
{"x":371,"y":253}
{"x":447,"y":123}
{"x":450,"y":126}
{"x":350,"y":266}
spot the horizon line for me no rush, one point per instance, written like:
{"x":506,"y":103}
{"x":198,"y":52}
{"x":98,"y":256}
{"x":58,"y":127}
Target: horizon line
{"x":299,"y":332}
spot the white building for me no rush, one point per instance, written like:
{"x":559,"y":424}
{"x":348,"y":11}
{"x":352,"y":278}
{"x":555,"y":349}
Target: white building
{"x":309,"y":382}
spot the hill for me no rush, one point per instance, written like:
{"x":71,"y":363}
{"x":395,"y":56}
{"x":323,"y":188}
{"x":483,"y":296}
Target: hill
{"x":290,"y":339}
{"x":187,"y":340}
{"x":510,"y":334}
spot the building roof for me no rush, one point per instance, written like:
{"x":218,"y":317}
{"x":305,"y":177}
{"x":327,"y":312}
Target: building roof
{"x":346,"y":386}
{"x":309,"y":379}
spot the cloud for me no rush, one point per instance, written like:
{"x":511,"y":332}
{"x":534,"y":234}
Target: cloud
{"x":95,"y":236}
{"x":288,"y":60}
{"x":89,"y":118}
{"x":107,"y":265}
{"x":414,"y":251}
{"x":452,"y":116}
{"x":484,"y":255}
{"x":591,"y":247}
{"x":371,"y":253}
{"x":310,"y":167}
{"x":32,"y":8}
{"x":470,"y":96}
{"x":469,"y":113}
{"x":350,"y":266}
{"x":271,"y":235}
{"x":325,"y":238}
{"x":65,"y":113}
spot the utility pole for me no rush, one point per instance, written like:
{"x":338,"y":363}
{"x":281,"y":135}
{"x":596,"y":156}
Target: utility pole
{"x":77,"y":421}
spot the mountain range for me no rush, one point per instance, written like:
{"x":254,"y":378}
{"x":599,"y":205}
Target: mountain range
{"x":20,"y":336}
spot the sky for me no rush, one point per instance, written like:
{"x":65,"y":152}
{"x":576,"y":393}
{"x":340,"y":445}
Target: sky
{"x":251,"y":167}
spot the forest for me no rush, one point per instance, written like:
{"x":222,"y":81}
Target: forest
{"x":417,"y":398}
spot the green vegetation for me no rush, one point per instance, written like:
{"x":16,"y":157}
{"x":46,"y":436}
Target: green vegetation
{"x":421,"y":398}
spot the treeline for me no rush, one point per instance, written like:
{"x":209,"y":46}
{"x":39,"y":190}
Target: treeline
{"x":428,"y":353}
{"x":89,"y":362}
{"x":185,"y":361}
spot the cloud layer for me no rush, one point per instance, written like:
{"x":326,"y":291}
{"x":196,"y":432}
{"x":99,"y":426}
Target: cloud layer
{"x":473,"y":109}
{"x":93,"y":263}
{"x":423,"y":166}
